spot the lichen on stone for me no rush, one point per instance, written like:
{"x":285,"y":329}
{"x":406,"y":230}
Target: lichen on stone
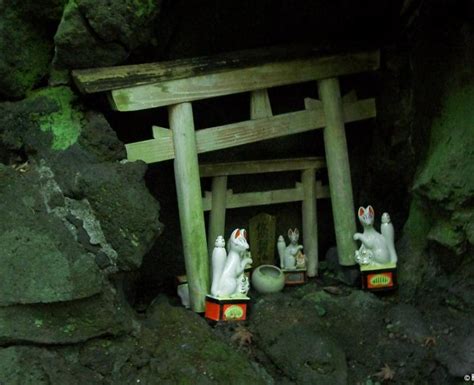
{"x":64,"y":123}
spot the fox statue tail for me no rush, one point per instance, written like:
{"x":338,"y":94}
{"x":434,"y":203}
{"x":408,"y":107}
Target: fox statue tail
{"x":386,"y":228}
{"x":281,"y":246}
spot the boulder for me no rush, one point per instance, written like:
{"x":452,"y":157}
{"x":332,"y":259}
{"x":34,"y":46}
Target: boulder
{"x":438,"y":238}
{"x":103,"y":33}
{"x":103,"y":202}
{"x":458,"y":354}
{"x":26,"y":52}
{"x":28,"y":365}
{"x":66,"y":322}
{"x":406,"y":320}
{"x":73,"y":217}
{"x":189,"y":352}
{"x":309,"y":356}
{"x":41,"y":260}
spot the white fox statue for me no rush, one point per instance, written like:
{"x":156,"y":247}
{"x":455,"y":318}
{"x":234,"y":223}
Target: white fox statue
{"x":228,"y":278}
{"x":377,"y":248}
{"x":291,"y":256}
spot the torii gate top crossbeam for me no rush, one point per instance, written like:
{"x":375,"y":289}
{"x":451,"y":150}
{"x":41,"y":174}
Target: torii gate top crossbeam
{"x":151,"y":85}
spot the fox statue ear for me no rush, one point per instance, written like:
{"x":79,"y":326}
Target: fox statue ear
{"x":371,"y":210}
{"x":361,"y":211}
{"x":290,"y":232}
{"x":296,"y":231}
{"x":235,"y":234}
{"x":244,"y":233}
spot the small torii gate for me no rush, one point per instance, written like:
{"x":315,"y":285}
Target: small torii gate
{"x":177,"y":83}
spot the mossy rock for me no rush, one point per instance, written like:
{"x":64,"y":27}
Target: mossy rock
{"x":29,"y":365}
{"x":103,"y":33}
{"x":65,"y":322}
{"x":308,"y":356}
{"x":26,"y":52}
{"x":81,"y":150}
{"x":41,"y":260}
{"x":65,"y":122}
{"x":191,"y":354}
{"x":438,"y":235}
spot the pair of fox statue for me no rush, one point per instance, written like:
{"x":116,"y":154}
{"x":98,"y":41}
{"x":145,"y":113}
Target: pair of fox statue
{"x":228,"y":265}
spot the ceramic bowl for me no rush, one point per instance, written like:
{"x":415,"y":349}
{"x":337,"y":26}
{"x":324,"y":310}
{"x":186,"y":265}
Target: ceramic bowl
{"x":268,"y":279}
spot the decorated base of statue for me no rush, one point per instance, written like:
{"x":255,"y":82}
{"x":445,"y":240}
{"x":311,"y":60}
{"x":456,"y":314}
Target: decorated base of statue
{"x":379,"y":278}
{"x":294,"y":276}
{"x":226,"y":308}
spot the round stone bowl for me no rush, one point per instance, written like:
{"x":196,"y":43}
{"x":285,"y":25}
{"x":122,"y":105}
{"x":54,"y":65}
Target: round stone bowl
{"x":268,"y":279}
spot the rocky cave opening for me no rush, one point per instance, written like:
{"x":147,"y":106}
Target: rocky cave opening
{"x":90,"y":245}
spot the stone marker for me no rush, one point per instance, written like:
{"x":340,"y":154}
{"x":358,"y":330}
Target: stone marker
{"x":262,"y":239}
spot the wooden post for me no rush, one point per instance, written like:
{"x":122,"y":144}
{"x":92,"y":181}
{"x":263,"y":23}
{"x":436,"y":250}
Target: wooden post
{"x":188,"y":187}
{"x":337,"y":160}
{"x":217,"y":213}
{"x":260,"y":106}
{"x":310,"y":224}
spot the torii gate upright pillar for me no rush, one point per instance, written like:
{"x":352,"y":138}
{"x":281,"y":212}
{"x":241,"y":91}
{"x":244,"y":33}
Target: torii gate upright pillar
{"x":191,"y":217}
{"x":337,"y":160}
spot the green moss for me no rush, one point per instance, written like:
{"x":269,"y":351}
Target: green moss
{"x":448,"y":173}
{"x":65,"y":122}
{"x":143,"y":8}
{"x":447,"y":234}
{"x":26,"y":54}
{"x":418,"y":226}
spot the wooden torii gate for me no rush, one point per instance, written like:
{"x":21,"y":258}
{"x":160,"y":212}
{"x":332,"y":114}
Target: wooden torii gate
{"x":177,"y":83}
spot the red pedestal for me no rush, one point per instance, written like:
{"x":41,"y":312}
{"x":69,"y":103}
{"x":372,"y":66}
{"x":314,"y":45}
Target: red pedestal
{"x":382,"y":278}
{"x":226,"y":309}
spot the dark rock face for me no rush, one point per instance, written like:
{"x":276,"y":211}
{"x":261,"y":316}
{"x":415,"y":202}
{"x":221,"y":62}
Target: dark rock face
{"x":41,"y":261}
{"x":26,"y":51}
{"x":103,"y":33}
{"x":438,"y":243}
{"x":66,"y":322}
{"x":73,"y":215}
{"x":174,"y":346}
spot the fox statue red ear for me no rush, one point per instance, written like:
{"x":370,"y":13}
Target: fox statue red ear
{"x":239,"y":232}
{"x":361,"y":211}
{"x":371,"y":211}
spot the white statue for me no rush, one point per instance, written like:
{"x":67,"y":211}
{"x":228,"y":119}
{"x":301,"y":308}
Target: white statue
{"x":183,"y":293}
{"x":376,"y":249}
{"x":291,"y":256}
{"x":228,"y":279}
{"x":219,"y":256}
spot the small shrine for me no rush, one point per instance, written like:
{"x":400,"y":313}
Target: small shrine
{"x":177,"y":84}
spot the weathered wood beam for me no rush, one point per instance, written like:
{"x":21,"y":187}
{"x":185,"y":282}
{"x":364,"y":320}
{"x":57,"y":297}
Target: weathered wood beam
{"x":260,"y":166}
{"x":260,"y":106}
{"x":111,"y":78}
{"x":339,"y":174}
{"x":233,"y":81}
{"x":350,"y":97}
{"x":310,"y":223}
{"x":262,"y":198}
{"x":188,"y":188}
{"x":235,"y":134}
{"x":108,"y":78}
